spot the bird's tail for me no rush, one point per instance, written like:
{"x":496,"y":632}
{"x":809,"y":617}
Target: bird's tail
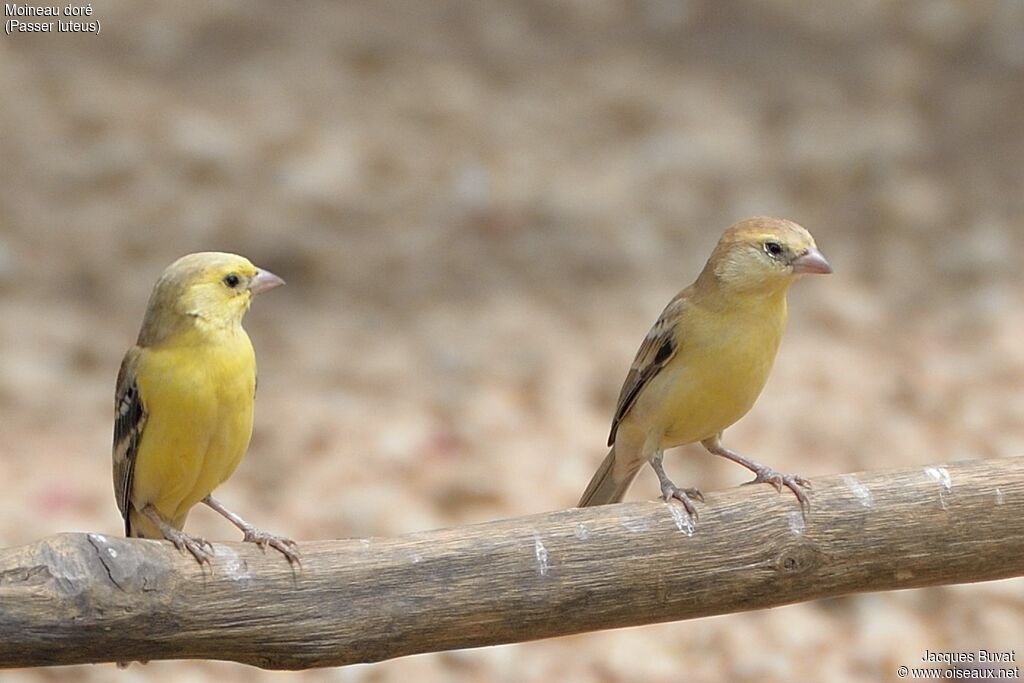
{"x":609,"y":484}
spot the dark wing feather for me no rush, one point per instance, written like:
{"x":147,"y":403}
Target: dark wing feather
{"x":129,"y":421}
{"x":658,"y":348}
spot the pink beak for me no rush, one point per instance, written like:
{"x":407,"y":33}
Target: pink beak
{"x":264,"y":280}
{"x":812,"y":261}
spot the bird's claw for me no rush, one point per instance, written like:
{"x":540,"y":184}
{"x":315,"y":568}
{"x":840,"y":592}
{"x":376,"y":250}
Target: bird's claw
{"x":695,"y":494}
{"x":200,"y":548}
{"x":684,"y":496}
{"x":794,"y":482}
{"x":279,"y":543}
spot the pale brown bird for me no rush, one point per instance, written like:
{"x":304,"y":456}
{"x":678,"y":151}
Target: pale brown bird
{"x":705,"y":361}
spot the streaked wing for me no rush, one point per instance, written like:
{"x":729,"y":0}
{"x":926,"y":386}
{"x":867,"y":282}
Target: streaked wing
{"x":657,"y":350}
{"x":129,"y":421}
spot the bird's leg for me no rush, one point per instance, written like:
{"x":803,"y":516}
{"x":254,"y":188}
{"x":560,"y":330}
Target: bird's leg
{"x":764,"y":474}
{"x":254,"y":535}
{"x":182,"y":541}
{"x":670,"y":490}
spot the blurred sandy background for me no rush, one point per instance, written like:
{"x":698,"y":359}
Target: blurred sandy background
{"x":480,"y":207}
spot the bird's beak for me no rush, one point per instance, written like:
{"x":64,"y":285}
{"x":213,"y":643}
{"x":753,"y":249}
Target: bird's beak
{"x":811,"y":261}
{"x":264,"y":280}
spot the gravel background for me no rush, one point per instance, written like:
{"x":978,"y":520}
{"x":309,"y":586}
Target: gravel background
{"x":480,"y":208}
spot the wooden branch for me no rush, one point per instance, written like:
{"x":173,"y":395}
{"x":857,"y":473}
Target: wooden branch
{"x":76,"y":598}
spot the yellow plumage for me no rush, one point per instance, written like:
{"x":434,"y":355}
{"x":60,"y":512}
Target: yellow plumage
{"x":185,"y":398}
{"x":728,"y":358}
{"x":706,"y":359}
{"x":199,"y":400}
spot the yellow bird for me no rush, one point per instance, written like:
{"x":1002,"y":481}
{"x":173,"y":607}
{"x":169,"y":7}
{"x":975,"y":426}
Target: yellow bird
{"x":706,"y":359}
{"x":184,"y":401}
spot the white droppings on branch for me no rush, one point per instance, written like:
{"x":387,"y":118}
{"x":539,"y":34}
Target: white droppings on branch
{"x":682,"y":519}
{"x":941,"y":475}
{"x":862,"y":493}
{"x":231,"y":564}
{"x":542,"y":555}
{"x":797,"y":524}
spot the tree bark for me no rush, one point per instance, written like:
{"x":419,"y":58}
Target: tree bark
{"x":77,"y":598}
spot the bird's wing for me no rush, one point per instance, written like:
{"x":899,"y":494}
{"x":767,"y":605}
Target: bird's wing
{"x":658,"y":348}
{"x":129,"y":421}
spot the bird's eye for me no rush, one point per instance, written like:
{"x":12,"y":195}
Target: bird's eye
{"x":231,"y":280}
{"x":773,"y":248}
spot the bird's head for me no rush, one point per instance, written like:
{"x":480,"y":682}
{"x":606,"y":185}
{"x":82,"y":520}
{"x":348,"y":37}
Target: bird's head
{"x":213,"y":287}
{"x":764,"y":255}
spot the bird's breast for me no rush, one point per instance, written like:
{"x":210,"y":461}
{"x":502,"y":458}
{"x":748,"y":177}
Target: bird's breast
{"x":199,"y":401}
{"x":718,"y":373}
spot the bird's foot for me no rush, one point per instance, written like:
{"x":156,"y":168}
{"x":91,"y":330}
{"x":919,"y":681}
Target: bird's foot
{"x":279,"y":543}
{"x":670,"y":490}
{"x":253,"y":535}
{"x":200,"y":548}
{"x":684,"y":496}
{"x":793,"y":482}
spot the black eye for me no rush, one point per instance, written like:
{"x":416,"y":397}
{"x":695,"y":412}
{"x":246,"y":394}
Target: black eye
{"x":773,"y":248}
{"x":231,"y":280}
